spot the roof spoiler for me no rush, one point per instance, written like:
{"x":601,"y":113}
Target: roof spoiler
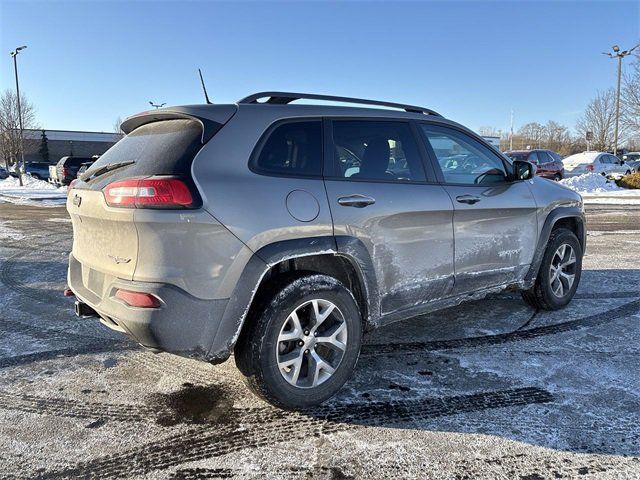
{"x":211,"y":119}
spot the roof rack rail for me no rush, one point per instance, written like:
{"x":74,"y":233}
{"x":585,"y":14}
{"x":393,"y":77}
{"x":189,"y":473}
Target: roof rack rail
{"x":282,"y":98}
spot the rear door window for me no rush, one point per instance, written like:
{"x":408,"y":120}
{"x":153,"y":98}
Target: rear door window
{"x":291,"y":149}
{"x":376,"y":151}
{"x":544,"y":157}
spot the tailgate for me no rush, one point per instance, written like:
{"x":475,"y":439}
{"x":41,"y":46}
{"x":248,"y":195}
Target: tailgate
{"x":104,"y":238}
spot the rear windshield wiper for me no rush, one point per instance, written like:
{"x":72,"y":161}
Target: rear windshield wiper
{"x":105,"y":169}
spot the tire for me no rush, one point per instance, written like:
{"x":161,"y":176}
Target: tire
{"x":541,"y":295}
{"x":557,"y":177}
{"x":628,"y":172}
{"x":261,"y":348}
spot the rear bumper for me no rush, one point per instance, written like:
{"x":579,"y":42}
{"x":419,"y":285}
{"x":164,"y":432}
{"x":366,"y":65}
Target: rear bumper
{"x":183,"y":324}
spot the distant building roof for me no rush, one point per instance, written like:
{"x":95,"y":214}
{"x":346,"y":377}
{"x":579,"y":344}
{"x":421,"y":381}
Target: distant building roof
{"x":74,"y":135}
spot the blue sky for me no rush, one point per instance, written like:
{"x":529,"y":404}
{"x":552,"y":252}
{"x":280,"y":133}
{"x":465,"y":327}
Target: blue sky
{"x":90,"y":62}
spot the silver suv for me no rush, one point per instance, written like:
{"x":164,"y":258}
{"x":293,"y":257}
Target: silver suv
{"x":282,"y":232}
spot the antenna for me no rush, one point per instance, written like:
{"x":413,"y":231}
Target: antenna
{"x":206,"y":97}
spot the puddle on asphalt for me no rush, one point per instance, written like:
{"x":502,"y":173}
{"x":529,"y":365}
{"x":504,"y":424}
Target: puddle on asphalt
{"x":193,"y":404}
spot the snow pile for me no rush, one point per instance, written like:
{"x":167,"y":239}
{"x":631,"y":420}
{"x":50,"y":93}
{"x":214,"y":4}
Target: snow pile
{"x":33,"y":191}
{"x":590,"y":183}
{"x":29,"y":183}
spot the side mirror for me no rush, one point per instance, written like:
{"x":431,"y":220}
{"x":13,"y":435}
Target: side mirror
{"x":523,"y":170}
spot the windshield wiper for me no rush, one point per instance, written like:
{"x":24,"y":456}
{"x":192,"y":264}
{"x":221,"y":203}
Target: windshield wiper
{"x":105,"y":169}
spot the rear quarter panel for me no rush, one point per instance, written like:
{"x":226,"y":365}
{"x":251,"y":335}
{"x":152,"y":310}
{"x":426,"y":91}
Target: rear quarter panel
{"x":252,"y":206}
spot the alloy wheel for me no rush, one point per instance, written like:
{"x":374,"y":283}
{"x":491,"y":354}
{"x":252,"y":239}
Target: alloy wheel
{"x":311,"y":343}
{"x":562,"y":271}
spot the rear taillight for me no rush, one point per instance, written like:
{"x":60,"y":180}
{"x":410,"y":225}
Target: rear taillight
{"x":152,"y":192}
{"x":590,"y":167}
{"x":138,"y":299}
{"x":65,"y":172}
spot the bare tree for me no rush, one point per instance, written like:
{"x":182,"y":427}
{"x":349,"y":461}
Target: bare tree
{"x":556,"y":137}
{"x":631,"y":100}
{"x":599,"y":118}
{"x":531,"y":135}
{"x":10,"y":126}
{"x":116,"y":125}
{"x":486,"y":131}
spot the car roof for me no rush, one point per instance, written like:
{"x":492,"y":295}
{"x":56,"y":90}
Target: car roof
{"x":584,"y":156}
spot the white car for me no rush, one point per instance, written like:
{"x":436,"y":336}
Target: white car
{"x":595,"y":162}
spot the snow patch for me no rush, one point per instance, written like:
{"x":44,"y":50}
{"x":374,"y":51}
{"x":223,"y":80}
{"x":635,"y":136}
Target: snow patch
{"x":32,"y":192}
{"x":9,"y":233}
{"x":590,"y":183}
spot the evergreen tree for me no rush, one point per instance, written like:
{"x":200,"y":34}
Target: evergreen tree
{"x":44,"y":147}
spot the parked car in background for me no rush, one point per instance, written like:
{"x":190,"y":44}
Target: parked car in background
{"x":595,"y":162}
{"x":67,"y":169}
{"x":39,"y":170}
{"x":53,"y":174}
{"x":549,"y":163}
{"x":282,"y":232}
{"x":83,"y":168}
{"x":633,"y":160}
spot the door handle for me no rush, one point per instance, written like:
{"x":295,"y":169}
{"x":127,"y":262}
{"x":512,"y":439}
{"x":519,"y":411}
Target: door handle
{"x":358,"y":201}
{"x":469,"y":199}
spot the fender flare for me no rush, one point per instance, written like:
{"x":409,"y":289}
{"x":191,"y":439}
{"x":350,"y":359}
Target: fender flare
{"x":559,"y":213}
{"x":235,"y":313}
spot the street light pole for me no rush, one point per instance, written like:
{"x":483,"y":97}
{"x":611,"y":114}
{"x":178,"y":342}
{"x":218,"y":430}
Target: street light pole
{"x":14,"y":54}
{"x":619,"y":55}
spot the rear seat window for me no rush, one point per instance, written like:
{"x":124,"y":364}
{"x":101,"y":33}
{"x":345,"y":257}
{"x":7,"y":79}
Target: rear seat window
{"x":292,"y":149}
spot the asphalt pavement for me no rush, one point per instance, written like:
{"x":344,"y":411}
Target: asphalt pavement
{"x":488,"y":389}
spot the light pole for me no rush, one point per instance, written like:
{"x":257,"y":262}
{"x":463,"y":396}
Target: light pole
{"x":14,"y":54}
{"x":619,"y":55}
{"x":157,"y":105}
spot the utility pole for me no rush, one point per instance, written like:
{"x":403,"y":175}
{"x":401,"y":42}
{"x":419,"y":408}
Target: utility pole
{"x":619,"y":55}
{"x":511,"y":132}
{"x":14,"y":54}
{"x":157,"y":105}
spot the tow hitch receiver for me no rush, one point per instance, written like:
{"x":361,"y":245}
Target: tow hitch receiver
{"x":84,"y":311}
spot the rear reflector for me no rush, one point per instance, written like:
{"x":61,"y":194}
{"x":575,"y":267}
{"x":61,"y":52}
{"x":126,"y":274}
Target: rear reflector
{"x":590,"y":167}
{"x":152,"y":192}
{"x":138,"y":299}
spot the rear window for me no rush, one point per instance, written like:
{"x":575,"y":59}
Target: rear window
{"x":518,"y":155}
{"x":75,"y":162}
{"x":292,"y":149}
{"x":167,"y":147}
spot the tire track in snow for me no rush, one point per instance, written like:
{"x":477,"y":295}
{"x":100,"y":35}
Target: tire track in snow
{"x":62,"y":407}
{"x":18,"y":286}
{"x":104,"y":346}
{"x":622,"y":311}
{"x":258,"y":427}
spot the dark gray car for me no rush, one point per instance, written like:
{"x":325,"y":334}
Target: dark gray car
{"x":283,"y":232}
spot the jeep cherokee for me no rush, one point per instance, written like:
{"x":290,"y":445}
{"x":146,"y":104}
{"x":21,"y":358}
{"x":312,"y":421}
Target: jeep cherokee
{"x":281,"y":232}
